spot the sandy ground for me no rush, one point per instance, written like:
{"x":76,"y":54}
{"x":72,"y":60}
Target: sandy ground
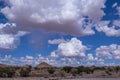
{"x":35,"y":78}
{"x":38,"y":78}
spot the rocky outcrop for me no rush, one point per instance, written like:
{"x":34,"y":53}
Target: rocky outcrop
{"x":43,"y":65}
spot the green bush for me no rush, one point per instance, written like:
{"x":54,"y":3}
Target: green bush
{"x":7,"y":72}
{"x":24,"y":72}
{"x":117,"y":69}
{"x":110,"y":69}
{"x":51,"y":71}
{"x":10,"y":72}
{"x":80,"y":69}
{"x":67,"y":69}
{"x":88,"y":70}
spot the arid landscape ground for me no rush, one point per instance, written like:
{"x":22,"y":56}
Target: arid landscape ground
{"x":44,"y":71}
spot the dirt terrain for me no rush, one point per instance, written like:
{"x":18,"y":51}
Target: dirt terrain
{"x":44,"y":71}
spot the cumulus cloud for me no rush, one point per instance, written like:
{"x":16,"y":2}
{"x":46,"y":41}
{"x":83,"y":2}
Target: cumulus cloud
{"x":118,"y":9}
{"x":109,"y":52}
{"x":114,"y":30}
{"x":58,"y":61}
{"x":116,"y":23}
{"x":90,"y":57}
{"x":56,"y":41}
{"x":109,"y":31}
{"x":75,"y":17}
{"x":8,"y":59}
{"x":9,"y":40}
{"x":54,"y":55}
{"x":27,"y":60}
{"x":72,"y":48}
{"x":5,"y":27}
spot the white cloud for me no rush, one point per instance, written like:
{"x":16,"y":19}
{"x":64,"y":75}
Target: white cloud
{"x":4,"y":27}
{"x":21,"y":33}
{"x":59,"y":61}
{"x":116,"y":23}
{"x":114,"y":30}
{"x":103,"y":51}
{"x":72,"y":48}
{"x":10,"y":41}
{"x":70,"y":62}
{"x":109,"y":31}
{"x":29,"y":58}
{"x":116,"y":53}
{"x":118,"y":9}
{"x":56,"y":41}
{"x":54,"y":55}
{"x":8,"y":59}
{"x":115,"y":4}
{"x":93,"y":60}
{"x":26,"y":60}
{"x":64,"y":16}
{"x":109,"y":52}
{"x":90,"y":57}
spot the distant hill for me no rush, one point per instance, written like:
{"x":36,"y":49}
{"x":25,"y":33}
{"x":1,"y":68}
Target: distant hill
{"x":43,"y":65}
{"x":3,"y":65}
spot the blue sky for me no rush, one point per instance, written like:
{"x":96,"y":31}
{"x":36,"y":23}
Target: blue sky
{"x":60,"y":32}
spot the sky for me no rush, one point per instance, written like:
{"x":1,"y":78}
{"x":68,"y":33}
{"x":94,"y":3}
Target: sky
{"x":60,"y":32}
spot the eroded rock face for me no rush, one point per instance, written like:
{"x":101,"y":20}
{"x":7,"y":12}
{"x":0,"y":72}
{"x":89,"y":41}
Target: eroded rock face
{"x":43,"y":65}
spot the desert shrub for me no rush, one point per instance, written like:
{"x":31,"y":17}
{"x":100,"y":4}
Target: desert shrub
{"x":24,"y":72}
{"x":7,"y":72}
{"x":74,"y":71}
{"x":67,"y":69}
{"x":10,"y":72}
{"x":51,"y":71}
{"x":3,"y":73}
{"x":36,"y":68}
{"x":29,"y":68}
{"x":99,"y":68}
{"x":117,"y":69}
{"x":80,"y":69}
{"x":110,"y":69}
{"x":88,"y":70}
{"x":108,"y":72}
